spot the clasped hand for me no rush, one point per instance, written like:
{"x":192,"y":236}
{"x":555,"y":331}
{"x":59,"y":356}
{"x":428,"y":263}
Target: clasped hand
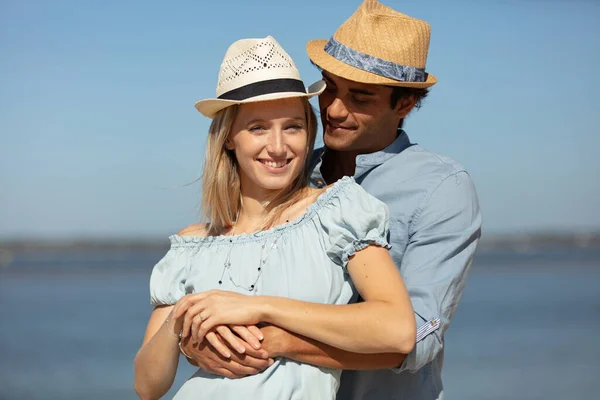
{"x":203,"y":315}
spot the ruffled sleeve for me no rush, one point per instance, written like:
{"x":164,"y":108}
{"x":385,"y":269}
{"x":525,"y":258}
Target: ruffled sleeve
{"x":353,"y":220}
{"x":167,"y":281}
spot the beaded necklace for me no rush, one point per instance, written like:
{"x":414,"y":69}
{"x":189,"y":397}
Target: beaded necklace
{"x":261,"y":263}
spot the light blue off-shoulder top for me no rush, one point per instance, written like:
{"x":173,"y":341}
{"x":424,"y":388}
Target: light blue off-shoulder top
{"x":308,"y":263}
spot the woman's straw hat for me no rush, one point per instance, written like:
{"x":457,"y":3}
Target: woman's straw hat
{"x":377,"y":45}
{"x":256,"y":70}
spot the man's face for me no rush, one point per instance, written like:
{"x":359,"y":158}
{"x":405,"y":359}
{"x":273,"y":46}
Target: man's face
{"x":358,"y":117}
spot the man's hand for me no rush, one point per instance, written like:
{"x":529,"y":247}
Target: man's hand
{"x":277,"y":341}
{"x":204,"y":355}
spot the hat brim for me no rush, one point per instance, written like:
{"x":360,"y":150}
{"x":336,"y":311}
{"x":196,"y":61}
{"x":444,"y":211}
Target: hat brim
{"x":210,"y":107}
{"x":317,"y":54}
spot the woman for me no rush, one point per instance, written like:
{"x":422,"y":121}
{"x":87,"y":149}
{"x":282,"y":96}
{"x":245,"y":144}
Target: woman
{"x":275,"y":251}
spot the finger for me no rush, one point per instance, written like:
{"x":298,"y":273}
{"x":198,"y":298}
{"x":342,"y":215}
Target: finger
{"x":227,"y":374}
{"x":180,"y":309}
{"x":187,"y":323}
{"x":208,"y":324}
{"x":218,"y":345}
{"x":246,"y":360}
{"x":256,"y":332}
{"x":182,"y":306}
{"x":186,"y":302}
{"x":191,"y":313}
{"x":228,"y":337}
{"x":247,"y":335}
{"x":237,"y":365}
{"x":260,"y":354}
{"x":189,"y":319}
{"x":195,"y":327}
{"x":239,"y":369}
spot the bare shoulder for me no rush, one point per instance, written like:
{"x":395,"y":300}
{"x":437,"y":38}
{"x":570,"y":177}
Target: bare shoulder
{"x":194,"y":230}
{"x":314,"y":193}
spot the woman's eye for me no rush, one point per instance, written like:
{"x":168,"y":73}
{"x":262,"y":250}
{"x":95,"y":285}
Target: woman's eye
{"x":294,"y":127}
{"x":256,"y":128}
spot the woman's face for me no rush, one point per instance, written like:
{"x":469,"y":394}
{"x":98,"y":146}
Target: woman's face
{"x":269,"y":141}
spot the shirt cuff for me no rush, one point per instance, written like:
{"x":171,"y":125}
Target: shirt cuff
{"x":425,"y":329}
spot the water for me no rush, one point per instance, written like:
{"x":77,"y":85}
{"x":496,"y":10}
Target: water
{"x":526,"y":328}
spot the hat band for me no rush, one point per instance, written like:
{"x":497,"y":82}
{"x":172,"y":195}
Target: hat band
{"x":264,"y":87}
{"x":374,"y":65}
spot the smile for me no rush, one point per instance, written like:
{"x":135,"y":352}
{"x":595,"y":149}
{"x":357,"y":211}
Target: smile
{"x":275,"y":163}
{"x":331,"y":127}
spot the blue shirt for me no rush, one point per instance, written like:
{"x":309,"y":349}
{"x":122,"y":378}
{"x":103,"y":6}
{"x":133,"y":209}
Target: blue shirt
{"x":435,"y":224}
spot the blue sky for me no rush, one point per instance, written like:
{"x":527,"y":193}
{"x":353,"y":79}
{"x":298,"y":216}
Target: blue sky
{"x":98,"y":134}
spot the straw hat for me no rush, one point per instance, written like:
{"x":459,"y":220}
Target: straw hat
{"x":377,"y":45}
{"x":256,"y":70}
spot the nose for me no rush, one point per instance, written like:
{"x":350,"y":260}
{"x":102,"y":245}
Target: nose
{"x":337,"y":110}
{"x":276,"y":145}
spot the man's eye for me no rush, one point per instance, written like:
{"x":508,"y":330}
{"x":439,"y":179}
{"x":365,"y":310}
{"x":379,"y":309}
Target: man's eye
{"x":359,"y":100}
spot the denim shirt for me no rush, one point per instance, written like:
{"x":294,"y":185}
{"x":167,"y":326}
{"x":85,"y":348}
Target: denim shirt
{"x":435,"y":225}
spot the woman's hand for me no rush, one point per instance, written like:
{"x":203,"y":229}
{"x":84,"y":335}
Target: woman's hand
{"x":200,"y":313}
{"x":221,"y":336}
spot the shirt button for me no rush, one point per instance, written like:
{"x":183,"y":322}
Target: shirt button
{"x":320,"y":183}
{"x":434,"y":323}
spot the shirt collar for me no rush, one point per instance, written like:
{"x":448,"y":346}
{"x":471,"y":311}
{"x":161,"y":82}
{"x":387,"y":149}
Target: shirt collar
{"x":364,"y":162}
{"x":401,"y":143}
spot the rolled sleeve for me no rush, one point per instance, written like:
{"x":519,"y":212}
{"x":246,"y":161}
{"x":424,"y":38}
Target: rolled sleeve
{"x":442,"y":239}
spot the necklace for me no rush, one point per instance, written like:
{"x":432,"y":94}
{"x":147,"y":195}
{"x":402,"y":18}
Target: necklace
{"x":261,"y":263}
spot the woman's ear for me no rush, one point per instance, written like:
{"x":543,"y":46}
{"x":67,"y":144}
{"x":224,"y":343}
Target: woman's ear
{"x":229,"y":144}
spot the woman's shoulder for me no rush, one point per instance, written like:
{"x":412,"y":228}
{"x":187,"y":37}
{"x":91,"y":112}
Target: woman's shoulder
{"x":198,"y":230}
{"x":349,"y":198}
{"x":315,"y":193}
{"x":311,"y":201}
{"x":344,"y":187}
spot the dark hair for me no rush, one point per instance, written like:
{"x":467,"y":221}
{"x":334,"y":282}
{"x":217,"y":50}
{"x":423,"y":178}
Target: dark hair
{"x":403,"y":93}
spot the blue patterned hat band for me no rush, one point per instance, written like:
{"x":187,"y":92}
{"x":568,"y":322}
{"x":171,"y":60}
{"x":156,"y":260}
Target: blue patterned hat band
{"x":378,"y":66}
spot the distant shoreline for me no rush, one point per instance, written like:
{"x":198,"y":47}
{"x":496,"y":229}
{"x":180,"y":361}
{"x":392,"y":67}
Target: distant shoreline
{"x":107,"y":255}
{"x":518,"y":243}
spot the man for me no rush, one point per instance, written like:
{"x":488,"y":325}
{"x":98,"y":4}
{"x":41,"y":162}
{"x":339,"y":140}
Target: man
{"x":374,"y":66}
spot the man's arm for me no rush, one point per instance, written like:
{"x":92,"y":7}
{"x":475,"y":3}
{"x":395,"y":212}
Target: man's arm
{"x":443,"y":237}
{"x":442,"y":241}
{"x":281,"y":343}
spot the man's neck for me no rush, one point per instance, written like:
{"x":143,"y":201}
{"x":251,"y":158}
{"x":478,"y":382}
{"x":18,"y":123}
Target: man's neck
{"x":337,"y":164}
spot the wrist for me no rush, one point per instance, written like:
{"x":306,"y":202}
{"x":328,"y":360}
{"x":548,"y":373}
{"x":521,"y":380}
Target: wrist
{"x":264,"y":309}
{"x":276,"y":341}
{"x":173,"y":327}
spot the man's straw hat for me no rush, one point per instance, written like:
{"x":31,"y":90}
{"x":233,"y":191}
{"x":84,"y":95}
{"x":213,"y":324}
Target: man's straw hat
{"x":377,"y":45}
{"x":256,"y":70}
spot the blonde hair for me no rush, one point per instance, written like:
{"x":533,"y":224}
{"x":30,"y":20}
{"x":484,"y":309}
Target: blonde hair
{"x":221,"y":188}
